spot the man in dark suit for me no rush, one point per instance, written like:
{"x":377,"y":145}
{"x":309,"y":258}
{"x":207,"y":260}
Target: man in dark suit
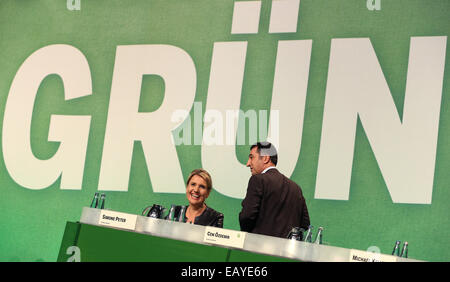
{"x":274,"y":204}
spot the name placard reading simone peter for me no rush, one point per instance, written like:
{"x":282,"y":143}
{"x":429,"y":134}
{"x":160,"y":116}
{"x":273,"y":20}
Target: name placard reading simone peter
{"x":117,"y":219}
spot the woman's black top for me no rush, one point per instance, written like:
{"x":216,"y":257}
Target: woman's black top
{"x":209,"y":217}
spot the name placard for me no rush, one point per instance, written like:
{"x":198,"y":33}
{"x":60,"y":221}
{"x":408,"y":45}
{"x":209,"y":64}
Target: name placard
{"x":362,"y":256}
{"x":117,"y":219}
{"x":224,"y":237}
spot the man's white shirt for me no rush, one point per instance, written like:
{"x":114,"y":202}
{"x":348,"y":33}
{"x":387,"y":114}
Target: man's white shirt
{"x":270,"y":167}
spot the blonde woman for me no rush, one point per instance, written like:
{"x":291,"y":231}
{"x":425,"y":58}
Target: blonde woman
{"x":198,"y":187}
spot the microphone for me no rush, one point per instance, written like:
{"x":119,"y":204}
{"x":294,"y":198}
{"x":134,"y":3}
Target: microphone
{"x":319,"y":236}
{"x":102,"y":201}
{"x":308,"y":237}
{"x":405,"y":250}
{"x":94,"y":202}
{"x":396,"y":250}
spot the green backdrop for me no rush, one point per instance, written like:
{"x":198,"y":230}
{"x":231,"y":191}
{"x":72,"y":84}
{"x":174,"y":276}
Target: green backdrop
{"x":33,"y":221}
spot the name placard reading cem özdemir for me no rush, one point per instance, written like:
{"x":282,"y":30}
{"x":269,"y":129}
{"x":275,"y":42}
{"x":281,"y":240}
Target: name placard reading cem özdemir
{"x":224,"y":237}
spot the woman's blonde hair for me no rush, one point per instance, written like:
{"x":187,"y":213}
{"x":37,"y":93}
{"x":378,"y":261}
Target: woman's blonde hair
{"x":203,"y":174}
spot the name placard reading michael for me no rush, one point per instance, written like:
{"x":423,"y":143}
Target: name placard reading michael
{"x":117,"y":219}
{"x":361,"y":256}
{"x":225,"y":237}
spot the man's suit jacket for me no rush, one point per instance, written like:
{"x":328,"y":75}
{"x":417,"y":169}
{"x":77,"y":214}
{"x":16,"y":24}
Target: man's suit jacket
{"x":273,"y":205}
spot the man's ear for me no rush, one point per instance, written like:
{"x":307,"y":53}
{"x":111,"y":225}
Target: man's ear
{"x":266,"y":159}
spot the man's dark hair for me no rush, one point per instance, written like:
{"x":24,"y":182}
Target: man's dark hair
{"x":266,"y":149}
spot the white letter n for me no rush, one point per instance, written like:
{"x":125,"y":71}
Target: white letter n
{"x":405,"y":150}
